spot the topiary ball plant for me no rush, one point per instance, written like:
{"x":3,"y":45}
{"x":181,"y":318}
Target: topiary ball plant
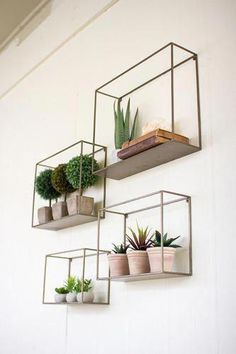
{"x":59,"y":180}
{"x":44,"y":186}
{"x":73,"y":172}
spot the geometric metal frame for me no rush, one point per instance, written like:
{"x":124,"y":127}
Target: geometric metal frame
{"x":96,"y":148}
{"x":163,"y":274}
{"x":61,"y":255}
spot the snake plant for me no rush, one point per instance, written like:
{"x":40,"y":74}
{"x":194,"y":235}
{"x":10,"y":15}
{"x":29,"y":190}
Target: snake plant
{"x":123,"y":132}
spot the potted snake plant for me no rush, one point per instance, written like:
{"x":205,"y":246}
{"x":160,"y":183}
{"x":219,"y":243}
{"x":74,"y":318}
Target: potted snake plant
{"x":155,"y":253}
{"x":139,"y":243}
{"x":118,"y":261}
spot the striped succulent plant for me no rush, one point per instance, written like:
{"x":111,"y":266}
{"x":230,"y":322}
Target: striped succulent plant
{"x":123,"y":132}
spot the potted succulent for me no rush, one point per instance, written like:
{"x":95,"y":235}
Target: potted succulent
{"x":79,"y":204}
{"x":118,"y":261}
{"x":84,"y":290}
{"x":155,"y":253}
{"x":62,"y":186}
{"x":70,"y":285}
{"x":139,"y":243}
{"x":45,"y":189}
{"x":123,"y":132}
{"x":60,"y":294}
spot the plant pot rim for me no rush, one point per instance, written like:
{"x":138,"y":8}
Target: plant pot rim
{"x":136,"y":252}
{"x":117,"y":254}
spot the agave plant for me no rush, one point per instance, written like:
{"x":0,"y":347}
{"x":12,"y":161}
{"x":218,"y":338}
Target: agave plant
{"x":167,"y":242}
{"x":122,"y":248}
{"x":123,"y":132}
{"x":140,"y":240}
{"x":86,"y":285}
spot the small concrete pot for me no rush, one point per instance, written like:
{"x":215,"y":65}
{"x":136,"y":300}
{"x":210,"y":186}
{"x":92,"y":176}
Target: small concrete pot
{"x":88,"y":296}
{"x":155,"y":258}
{"x":59,"y":298}
{"x":118,"y":264}
{"x":80,"y":205}
{"x":71,"y":297}
{"x":138,"y":262}
{"x":59,"y":210}
{"x":44,"y":214}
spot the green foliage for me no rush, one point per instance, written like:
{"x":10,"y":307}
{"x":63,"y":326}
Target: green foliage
{"x":122,"y":124}
{"x":70,"y":284}
{"x":59,"y":180}
{"x":166,"y":242}
{"x":73,"y":172}
{"x":44,"y":186}
{"x":86,"y":285}
{"x":120,"y":248}
{"x":61,"y":290}
{"x":140,"y":240}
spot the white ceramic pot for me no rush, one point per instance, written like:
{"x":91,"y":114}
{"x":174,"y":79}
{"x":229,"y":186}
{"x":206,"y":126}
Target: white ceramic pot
{"x":70,"y":297}
{"x":59,"y":298}
{"x":155,"y":258}
{"x":87,"y":296}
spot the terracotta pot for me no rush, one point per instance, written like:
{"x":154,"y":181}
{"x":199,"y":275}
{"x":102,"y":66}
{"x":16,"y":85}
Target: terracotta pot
{"x":59,"y":210}
{"x":118,"y":264}
{"x":59,"y":298}
{"x":71,"y":297}
{"x":44,"y":215}
{"x":138,"y":262}
{"x":80,"y":205}
{"x":87,"y":296}
{"x":155,"y":258}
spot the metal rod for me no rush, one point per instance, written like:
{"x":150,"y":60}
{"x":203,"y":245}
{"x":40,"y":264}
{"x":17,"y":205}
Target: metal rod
{"x":106,"y":94}
{"x":134,"y":66}
{"x":156,"y":77}
{"x":162,"y":233}
{"x":181,"y":47}
{"x":157,"y":205}
{"x":190,"y":236}
{"x":98,"y":243}
{"x":80,"y":172}
{"x":76,"y":250}
{"x":33,"y":204}
{"x":172,"y":90}
{"x":69,"y":267}
{"x":125,"y":221}
{"x":42,"y":165}
{"x":44,"y":279}
{"x":94,"y":126}
{"x":198,"y":104}
{"x":83,"y":273}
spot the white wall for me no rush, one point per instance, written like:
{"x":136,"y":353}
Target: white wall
{"x":51,"y":108}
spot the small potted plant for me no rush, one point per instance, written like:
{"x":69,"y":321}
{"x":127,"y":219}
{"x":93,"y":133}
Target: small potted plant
{"x":123,"y":132}
{"x":62,"y":186}
{"x":84,"y":290}
{"x":70,"y":285}
{"x":79,"y":204}
{"x":45,"y":189}
{"x":139,"y":243}
{"x":60,"y":294}
{"x":155,"y":253}
{"x":118,"y":261}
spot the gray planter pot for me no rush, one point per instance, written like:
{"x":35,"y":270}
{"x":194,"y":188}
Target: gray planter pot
{"x":44,"y":214}
{"x":80,"y":205}
{"x":59,"y":210}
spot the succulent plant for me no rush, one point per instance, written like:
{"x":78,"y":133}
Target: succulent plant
{"x":70,"y":284}
{"x":44,"y":187}
{"x":140,"y":240}
{"x":86,"y":285}
{"x":88,"y":179}
{"x":122,"y":248}
{"x":61,"y":290}
{"x":167,"y":242}
{"x":122,"y":124}
{"x":59,"y":180}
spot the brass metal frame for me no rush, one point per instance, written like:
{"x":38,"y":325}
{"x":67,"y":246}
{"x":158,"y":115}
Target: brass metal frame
{"x":179,"y":197}
{"x":61,"y":255}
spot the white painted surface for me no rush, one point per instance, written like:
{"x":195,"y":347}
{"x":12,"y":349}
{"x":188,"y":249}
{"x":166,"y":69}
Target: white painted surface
{"x":51,"y":108}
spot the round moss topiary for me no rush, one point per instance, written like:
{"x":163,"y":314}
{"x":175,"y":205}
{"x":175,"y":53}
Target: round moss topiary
{"x":59,"y":180}
{"x":73,"y":172}
{"x":44,"y":186}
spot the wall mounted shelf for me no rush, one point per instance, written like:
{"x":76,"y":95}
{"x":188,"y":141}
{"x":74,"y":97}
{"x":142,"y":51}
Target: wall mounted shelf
{"x":166,"y":211}
{"x":80,"y":263}
{"x":63,"y":156}
{"x":145,"y":160}
{"x":175,"y":56}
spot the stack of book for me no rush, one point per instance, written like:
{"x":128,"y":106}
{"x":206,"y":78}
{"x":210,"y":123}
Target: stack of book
{"x":148,"y":141}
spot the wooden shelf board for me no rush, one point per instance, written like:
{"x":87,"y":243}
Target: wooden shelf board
{"x":145,"y":160}
{"x":147,"y":276}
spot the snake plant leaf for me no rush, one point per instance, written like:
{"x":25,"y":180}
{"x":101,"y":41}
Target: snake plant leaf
{"x":133,"y":130}
{"x":127,"y":121}
{"x":119,"y":126}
